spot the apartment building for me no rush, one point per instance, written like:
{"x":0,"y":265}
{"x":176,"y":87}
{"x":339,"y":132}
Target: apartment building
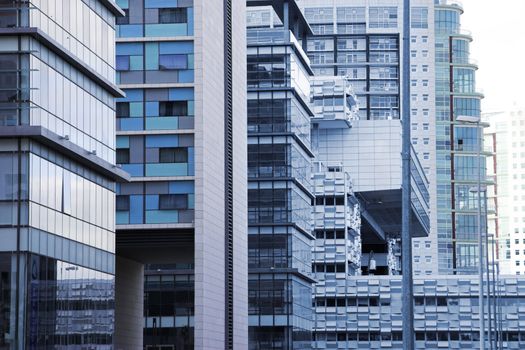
{"x":181,"y":136}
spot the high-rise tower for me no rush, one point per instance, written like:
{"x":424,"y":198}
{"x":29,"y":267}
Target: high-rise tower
{"x":57,"y":173}
{"x":182,"y":137}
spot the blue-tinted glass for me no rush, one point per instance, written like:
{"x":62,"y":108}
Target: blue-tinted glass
{"x":186,"y":76}
{"x":179,"y":47}
{"x":160,"y":3}
{"x":173,"y":62}
{"x":130,"y":31}
{"x":122,"y":62}
{"x":136,"y":209}
{"x":172,"y":29}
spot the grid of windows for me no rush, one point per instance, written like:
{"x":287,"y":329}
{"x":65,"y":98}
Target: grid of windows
{"x":382,"y":17}
{"x":156,"y":18}
{"x":155,"y":62}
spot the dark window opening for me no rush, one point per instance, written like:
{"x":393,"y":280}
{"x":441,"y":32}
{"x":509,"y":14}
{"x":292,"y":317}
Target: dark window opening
{"x":122,"y":109}
{"x":173,"y":155}
{"x":173,"y":201}
{"x":122,"y":203}
{"x":173,"y":15}
{"x":122,"y":155}
{"x":173,"y":108}
{"x":123,"y":19}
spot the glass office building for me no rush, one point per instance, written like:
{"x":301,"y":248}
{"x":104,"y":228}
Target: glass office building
{"x":458,"y":139}
{"x":180,"y":135}
{"x":57,"y":174}
{"x":279,"y":183}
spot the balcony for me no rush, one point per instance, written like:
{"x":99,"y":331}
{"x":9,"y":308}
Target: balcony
{"x":335,"y":104}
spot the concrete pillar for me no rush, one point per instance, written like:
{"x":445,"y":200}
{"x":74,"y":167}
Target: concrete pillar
{"x":129,"y":304}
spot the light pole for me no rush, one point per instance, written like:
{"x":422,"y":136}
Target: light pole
{"x":406,"y":237}
{"x":476,"y":120}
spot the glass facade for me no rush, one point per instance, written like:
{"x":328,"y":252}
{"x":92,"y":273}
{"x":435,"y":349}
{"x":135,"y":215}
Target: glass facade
{"x":57,"y":177}
{"x":457,"y":144}
{"x":169,"y":307}
{"x":279,"y":192}
{"x":156,"y":146}
{"x":370,"y":62}
{"x":156,"y":18}
{"x":67,"y":305}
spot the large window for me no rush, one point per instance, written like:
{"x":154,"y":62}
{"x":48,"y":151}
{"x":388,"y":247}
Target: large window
{"x":173,"y":108}
{"x":173,"y":155}
{"x":173,"y":201}
{"x":171,"y":62}
{"x":383,"y":17}
{"x":419,"y":18}
{"x":173,"y":15}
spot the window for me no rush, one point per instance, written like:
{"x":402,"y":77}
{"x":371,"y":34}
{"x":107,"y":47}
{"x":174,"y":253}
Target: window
{"x":173,"y":201}
{"x":419,"y":17}
{"x":383,"y":17}
{"x":173,"y":15}
{"x":122,"y":203}
{"x":122,"y":109}
{"x":122,"y":63}
{"x":173,"y":155}
{"x":172,"y":62}
{"x":426,"y":141}
{"x":123,"y":19}
{"x":173,"y":108}
{"x":122,"y":155}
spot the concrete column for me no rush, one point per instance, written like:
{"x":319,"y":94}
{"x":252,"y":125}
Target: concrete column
{"x":129,"y":304}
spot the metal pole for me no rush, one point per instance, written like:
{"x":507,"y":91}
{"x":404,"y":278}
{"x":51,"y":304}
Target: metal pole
{"x":500,"y":313}
{"x":480,"y":252}
{"x":489,"y":309}
{"x":494,"y":298}
{"x":489,"y":286}
{"x":406,"y":237}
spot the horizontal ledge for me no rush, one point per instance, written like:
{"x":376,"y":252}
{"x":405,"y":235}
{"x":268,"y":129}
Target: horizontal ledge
{"x":113,"y":7}
{"x":64,"y":146}
{"x":61,"y":51}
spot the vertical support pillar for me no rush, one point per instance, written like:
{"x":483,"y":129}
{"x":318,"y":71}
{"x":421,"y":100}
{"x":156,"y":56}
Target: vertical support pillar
{"x":129,"y":304}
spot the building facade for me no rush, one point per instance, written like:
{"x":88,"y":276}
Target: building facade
{"x":368,"y":314}
{"x":279,"y":179}
{"x":57,"y":174}
{"x":361,"y":41}
{"x":181,"y":136}
{"x":458,"y":140}
{"x":503,"y":139}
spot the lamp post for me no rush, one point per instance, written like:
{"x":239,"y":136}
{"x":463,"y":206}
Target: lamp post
{"x":476,"y":121}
